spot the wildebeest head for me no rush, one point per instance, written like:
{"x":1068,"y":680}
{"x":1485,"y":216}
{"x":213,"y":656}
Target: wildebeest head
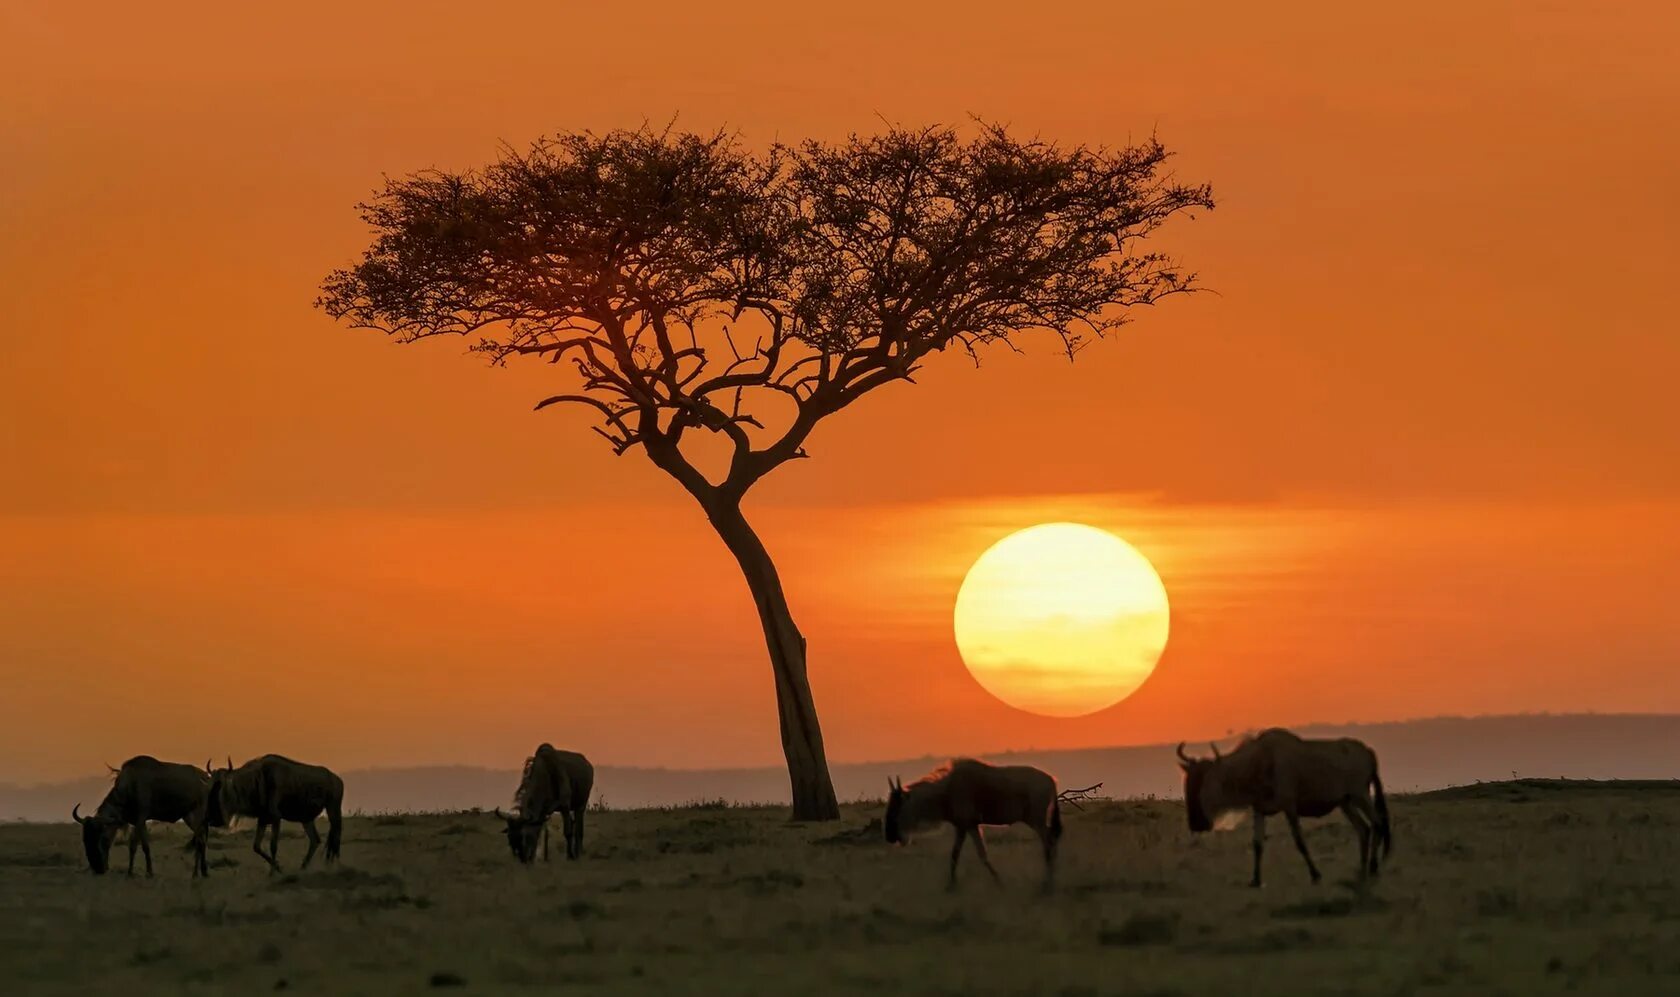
{"x":218,"y":811}
{"x":522,"y":835}
{"x":894,"y":820}
{"x":97,"y":834}
{"x":1196,"y":789}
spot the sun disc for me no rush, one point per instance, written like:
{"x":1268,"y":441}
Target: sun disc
{"x":1061,"y":619}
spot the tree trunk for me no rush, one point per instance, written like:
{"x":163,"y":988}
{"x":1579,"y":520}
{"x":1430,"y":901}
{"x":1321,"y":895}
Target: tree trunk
{"x":802,"y":743}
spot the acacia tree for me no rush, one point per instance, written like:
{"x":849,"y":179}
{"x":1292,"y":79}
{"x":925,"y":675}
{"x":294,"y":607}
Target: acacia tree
{"x":699,"y":291}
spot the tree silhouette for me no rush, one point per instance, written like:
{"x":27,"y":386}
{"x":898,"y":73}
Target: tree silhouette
{"x":701,"y":291}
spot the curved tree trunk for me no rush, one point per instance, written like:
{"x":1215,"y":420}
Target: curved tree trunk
{"x":802,"y":743}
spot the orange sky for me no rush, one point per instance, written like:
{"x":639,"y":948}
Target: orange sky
{"x":1417,"y":456}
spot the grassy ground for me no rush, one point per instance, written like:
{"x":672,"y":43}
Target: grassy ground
{"x":1508,"y":889}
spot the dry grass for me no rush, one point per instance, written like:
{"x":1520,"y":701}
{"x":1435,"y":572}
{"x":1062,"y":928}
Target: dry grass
{"x":1502,"y":891}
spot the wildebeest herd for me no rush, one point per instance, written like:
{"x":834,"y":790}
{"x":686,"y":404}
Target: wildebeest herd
{"x":271,"y":789}
{"x":1273,"y":772}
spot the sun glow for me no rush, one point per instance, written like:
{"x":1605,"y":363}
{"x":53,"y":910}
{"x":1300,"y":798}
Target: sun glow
{"x":1061,"y":619}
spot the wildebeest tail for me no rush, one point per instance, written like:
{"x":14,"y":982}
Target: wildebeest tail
{"x":1384,"y":834}
{"x":335,"y":825}
{"x":1055,"y":820}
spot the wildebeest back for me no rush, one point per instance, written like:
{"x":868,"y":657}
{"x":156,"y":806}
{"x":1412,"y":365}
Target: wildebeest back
{"x":993,"y":794}
{"x":568,"y":775}
{"x":300,"y":799}
{"x":163,"y":791}
{"x":1277,"y":769}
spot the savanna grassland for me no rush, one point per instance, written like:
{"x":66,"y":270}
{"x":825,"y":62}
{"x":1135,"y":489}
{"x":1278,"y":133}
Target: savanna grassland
{"x":1517,"y":888}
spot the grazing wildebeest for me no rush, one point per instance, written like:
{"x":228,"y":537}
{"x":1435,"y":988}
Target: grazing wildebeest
{"x":553,"y":781}
{"x":967,"y":794}
{"x":146,"y":789}
{"x":1276,"y":771}
{"x":274,"y":788}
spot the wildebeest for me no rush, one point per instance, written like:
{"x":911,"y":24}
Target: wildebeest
{"x":1276,"y":771}
{"x":553,"y":781}
{"x":274,"y":788}
{"x":146,"y":789}
{"x":969,"y":793}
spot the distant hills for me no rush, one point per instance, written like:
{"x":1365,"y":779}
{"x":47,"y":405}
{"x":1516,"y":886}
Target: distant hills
{"x":1416,"y":755}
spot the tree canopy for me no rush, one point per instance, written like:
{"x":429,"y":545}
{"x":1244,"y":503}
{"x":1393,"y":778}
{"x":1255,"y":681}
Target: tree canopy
{"x":696,"y":285}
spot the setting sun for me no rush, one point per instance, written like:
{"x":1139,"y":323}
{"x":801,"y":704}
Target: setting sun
{"x":1061,"y":619}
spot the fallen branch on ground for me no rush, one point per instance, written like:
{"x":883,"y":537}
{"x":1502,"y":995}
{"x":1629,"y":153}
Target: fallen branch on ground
{"x":1078,"y":796}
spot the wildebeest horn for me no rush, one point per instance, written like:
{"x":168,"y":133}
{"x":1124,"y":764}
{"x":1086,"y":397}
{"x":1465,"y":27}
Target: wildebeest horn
{"x":1215,"y":748}
{"x":75,"y":815}
{"x":1186,"y":759}
{"x":230,"y":761}
{"x":500,"y":815}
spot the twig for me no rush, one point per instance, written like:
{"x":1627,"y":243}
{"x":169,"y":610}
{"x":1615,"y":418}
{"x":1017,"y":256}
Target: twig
{"x":1076,"y":796}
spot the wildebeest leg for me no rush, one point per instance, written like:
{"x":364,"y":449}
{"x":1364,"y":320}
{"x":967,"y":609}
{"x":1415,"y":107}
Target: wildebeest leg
{"x":1301,"y":842}
{"x":1259,"y":845}
{"x":133,"y":843}
{"x":145,"y":845}
{"x":980,"y":846}
{"x":545,"y":840}
{"x":1364,"y":821}
{"x":201,"y":864}
{"x":314,"y":841}
{"x":577,"y":831}
{"x":956,"y":850}
{"x":566,"y":824}
{"x":274,"y":842}
{"x":256,"y":846}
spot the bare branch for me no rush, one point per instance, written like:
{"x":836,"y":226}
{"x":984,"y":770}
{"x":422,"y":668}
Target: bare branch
{"x":1074,"y":797}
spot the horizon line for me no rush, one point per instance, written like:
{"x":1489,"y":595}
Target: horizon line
{"x":998,"y":753}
